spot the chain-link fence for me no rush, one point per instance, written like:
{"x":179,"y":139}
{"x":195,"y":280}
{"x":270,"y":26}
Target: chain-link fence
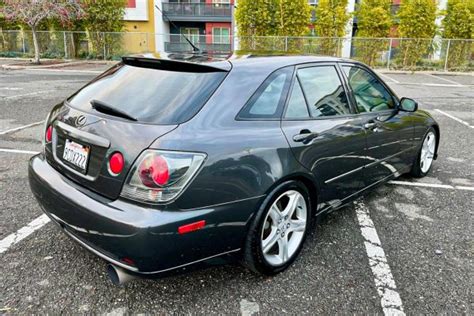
{"x":74,"y":45}
{"x":390,"y":53}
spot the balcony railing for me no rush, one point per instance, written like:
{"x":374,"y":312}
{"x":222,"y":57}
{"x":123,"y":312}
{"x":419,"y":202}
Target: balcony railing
{"x":198,"y":11}
{"x":178,"y":47}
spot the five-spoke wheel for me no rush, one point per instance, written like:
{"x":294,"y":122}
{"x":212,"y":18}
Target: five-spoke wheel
{"x":425,"y":157}
{"x":284,"y":227}
{"x":278,"y":232}
{"x":427,"y":152}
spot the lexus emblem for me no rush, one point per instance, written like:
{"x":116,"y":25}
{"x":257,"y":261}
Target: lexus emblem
{"x":81,"y":120}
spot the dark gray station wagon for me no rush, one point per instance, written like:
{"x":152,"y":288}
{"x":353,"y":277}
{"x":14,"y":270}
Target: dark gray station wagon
{"x":159,"y":165}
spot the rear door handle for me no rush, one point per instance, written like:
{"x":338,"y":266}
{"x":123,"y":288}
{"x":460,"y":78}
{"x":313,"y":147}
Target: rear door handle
{"x":305,"y":136}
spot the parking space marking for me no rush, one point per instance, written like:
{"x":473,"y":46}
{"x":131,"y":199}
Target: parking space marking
{"x":23,"y":232}
{"x":432,"y":185}
{"x":389,"y":78}
{"x":20,"y":128}
{"x":443,"y":79}
{"x":383,"y":278}
{"x":27,"y":94}
{"x":67,"y":70}
{"x":433,"y":84}
{"x":454,"y":118}
{"x":18,"y":151}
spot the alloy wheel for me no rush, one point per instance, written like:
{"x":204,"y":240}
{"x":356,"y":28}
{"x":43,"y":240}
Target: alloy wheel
{"x":284,"y":227}
{"x":427,"y":152}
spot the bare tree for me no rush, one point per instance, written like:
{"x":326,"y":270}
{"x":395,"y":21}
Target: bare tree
{"x":32,"y":12}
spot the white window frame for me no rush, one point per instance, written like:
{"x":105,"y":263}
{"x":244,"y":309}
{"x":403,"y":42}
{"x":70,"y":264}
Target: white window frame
{"x":220,"y":39}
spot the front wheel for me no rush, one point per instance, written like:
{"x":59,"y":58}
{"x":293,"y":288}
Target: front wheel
{"x":425,"y":157}
{"x":280,"y":227}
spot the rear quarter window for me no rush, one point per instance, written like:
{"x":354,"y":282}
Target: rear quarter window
{"x":268,"y":101}
{"x":151,"y":95}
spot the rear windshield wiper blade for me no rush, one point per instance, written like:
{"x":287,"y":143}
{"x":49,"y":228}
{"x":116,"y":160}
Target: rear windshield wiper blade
{"x":103,"y":107}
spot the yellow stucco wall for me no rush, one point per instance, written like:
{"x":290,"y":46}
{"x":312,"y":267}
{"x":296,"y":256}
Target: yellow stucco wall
{"x":144,"y":41}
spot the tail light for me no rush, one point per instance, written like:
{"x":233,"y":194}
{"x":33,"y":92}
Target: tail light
{"x":49,"y":134}
{"x":160,"y":176}
{"x":47,"y":128}
{"x":116,"y":163}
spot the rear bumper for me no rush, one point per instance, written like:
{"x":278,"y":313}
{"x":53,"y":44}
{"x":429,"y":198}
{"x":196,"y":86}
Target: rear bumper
{"x":139,"y":238}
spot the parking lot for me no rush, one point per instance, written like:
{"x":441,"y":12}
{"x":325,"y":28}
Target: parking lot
{"x":406,"y":247}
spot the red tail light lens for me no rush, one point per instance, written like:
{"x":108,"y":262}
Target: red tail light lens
{"x":49,"y":134}
{"x":154,"y":171}
{"x":116,"y":163}
{"x":160,"y":176}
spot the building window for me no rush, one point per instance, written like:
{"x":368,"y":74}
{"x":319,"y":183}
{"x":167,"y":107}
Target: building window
{"x":220,"y":35}
{"x":191,"y":33}
{"x":220,"y":1}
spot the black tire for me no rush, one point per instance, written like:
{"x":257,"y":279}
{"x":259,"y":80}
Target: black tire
{"x":253,"y":257}
{"x":416,"y":168}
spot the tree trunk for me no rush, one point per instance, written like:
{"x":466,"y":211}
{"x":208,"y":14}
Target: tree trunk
{"x":35,"y":42}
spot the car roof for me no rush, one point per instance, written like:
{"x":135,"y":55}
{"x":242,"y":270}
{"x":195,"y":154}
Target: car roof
{"x":282,"y":61}
{"x":258,"y":63}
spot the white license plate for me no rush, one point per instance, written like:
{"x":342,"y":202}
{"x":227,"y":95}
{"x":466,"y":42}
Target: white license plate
{"x":76,"y":154}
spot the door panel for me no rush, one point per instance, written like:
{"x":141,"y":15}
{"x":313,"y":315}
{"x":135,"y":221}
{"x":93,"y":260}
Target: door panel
{"x":388,"y":145}
{"x":335,"y":157}
{"x":324,"y":134}
{"x":389,"y":131}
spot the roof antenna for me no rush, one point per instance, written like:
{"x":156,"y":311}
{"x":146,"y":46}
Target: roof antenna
{"x":195,"y":48}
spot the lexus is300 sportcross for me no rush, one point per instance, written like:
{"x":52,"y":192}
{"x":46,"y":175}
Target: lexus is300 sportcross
{"x":158,"y":165}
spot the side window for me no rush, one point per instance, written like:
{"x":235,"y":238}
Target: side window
{"x":268,"y":101}
{"x":324,"y":92}
{"x":297,"y":107}
{"x":369,"y":92}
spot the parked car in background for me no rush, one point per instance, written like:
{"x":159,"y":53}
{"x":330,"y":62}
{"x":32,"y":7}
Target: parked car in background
{"x":159,"y":165}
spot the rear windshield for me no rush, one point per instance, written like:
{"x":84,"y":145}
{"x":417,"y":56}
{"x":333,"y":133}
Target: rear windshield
{"x":150,"y":95}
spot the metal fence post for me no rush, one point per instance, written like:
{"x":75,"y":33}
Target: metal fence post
{"x":447,"y":55}
{"x":147,"y":42}
{"x":65,"y":45}
{"x":103,"y":38}
{"x":286,"y":43}
{"x":23,"y":41}
{"x":338,"y":47}
{"x":389,"y":53}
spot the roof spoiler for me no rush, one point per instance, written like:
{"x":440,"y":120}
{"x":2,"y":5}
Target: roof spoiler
{"x":171,"y":65}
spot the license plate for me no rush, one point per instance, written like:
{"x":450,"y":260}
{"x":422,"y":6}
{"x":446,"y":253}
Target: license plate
{"x":76,"y":154}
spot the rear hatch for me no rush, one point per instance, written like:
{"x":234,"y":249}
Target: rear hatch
{"x":125,"y":110}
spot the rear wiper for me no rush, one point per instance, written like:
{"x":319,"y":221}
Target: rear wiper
{"x":103,"y":107}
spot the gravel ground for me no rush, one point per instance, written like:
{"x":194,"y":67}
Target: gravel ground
{"x":426,"y":232}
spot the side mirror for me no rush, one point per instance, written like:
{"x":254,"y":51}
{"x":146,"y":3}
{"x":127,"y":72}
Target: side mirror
{"x":408,"y":105}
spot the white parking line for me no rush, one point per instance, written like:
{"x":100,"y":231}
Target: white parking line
{"x":67,"y":70}
{"x":444,"y":79}
{"x":18,"y":151}
{"x":27,"y":94}
{"x":20,"y":128}
{"x":389,"y":78}
{"x":432,"y":185}
{"x":23,"y":232}
{"x":454,"y":118}
{"x":383,"y":278}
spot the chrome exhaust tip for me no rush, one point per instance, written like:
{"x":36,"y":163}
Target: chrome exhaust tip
{"x":119,"y":276}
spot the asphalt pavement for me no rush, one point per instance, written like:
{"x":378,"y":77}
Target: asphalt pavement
{"x":422,"y":228}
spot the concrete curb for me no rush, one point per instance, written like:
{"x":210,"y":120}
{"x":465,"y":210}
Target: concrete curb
{"x":406,"y":72}
{"x":56,"y":66}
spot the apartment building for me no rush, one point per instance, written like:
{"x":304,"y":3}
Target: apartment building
{"x":207,"y":23}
